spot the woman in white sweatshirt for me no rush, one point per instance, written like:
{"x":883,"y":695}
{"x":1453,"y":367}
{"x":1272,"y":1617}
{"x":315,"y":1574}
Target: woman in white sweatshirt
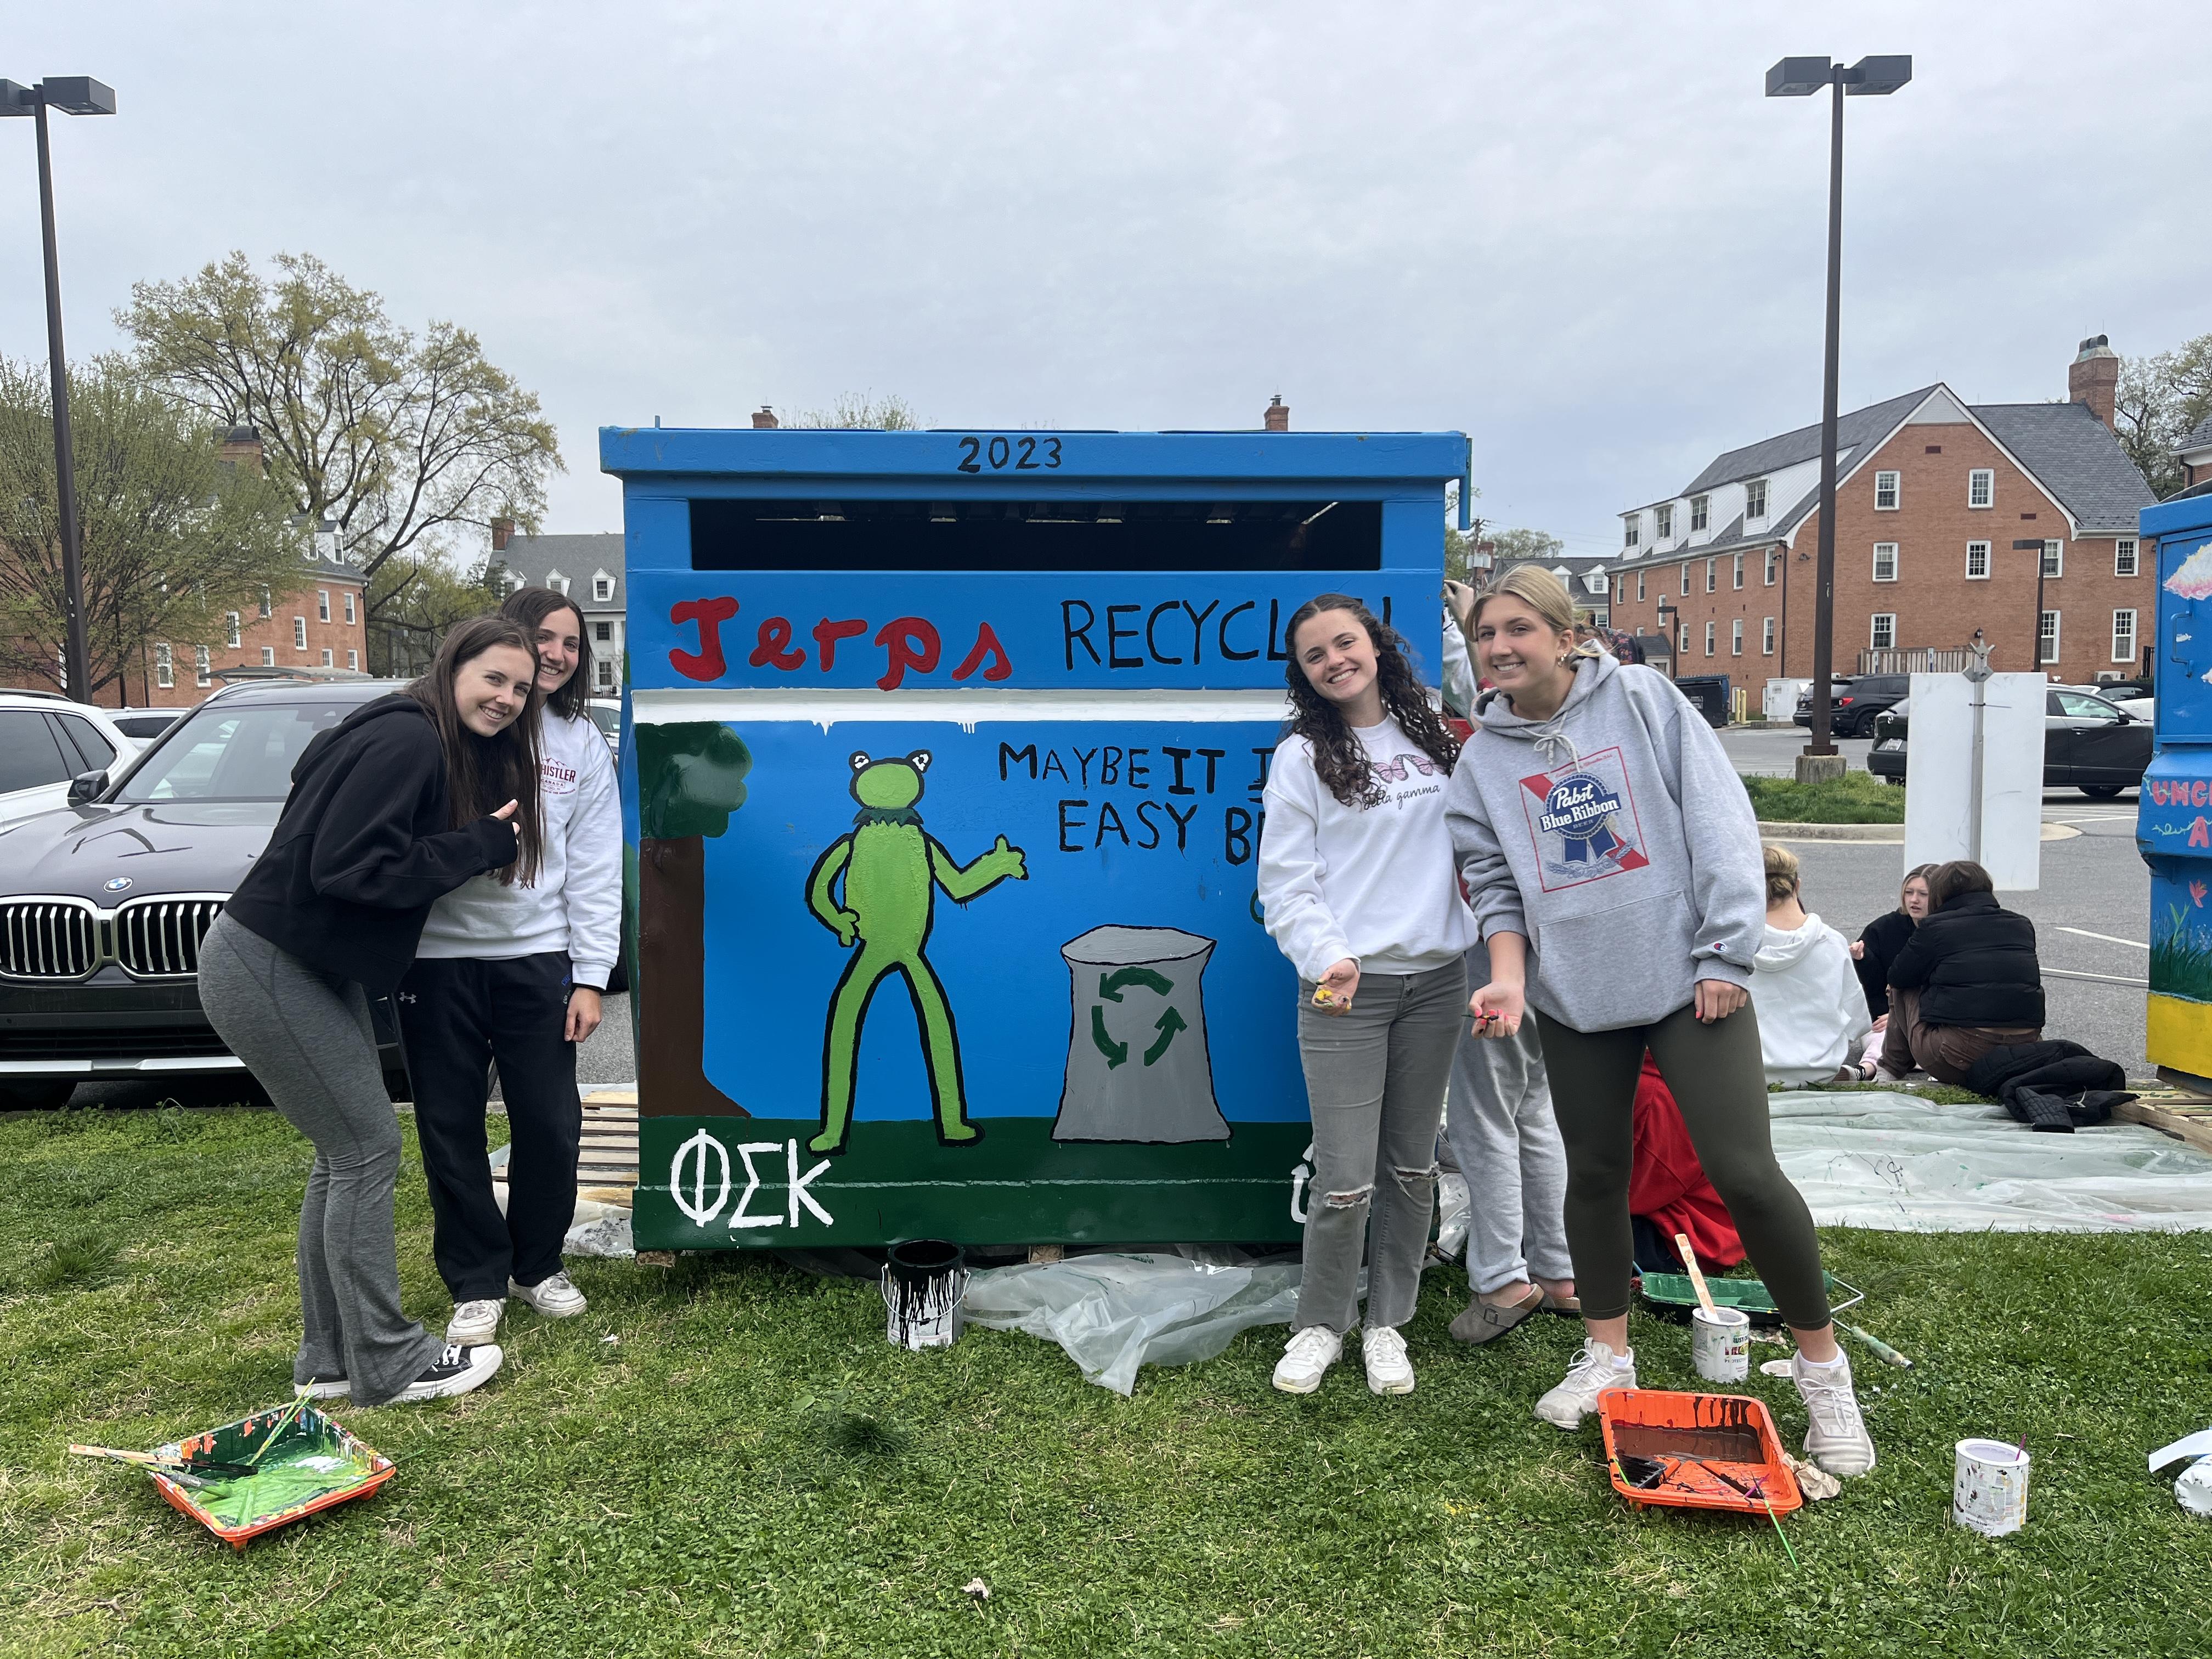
{"x":515,"y":974}
{"x":1356,"y":884}
{"x":1812,"y":1009}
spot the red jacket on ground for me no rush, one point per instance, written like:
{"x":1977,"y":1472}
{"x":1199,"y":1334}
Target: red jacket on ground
{"x":1668,"y":1184}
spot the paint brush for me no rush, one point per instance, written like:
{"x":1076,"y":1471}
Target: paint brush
{"x":1759,"y":1492}
{"x":1697,"y":1276}
{"x":1880,"y":1349}
{"x":167,"y":1465}
{"x":284,"y":1421}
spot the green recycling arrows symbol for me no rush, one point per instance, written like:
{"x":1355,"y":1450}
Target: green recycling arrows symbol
{"x":1111,"y":986}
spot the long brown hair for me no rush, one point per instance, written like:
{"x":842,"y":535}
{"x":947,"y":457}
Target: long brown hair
{"x":1340,"y":760}
{"x":530,"y":606}
{"x":484,"y":774}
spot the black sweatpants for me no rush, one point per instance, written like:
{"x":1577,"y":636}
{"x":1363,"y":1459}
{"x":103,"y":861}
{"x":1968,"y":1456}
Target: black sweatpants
{"x":457,"y":1015}
{"x":1719,"y":1081}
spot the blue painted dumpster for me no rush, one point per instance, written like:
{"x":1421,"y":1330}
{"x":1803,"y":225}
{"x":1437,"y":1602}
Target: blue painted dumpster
{"x":942,"y":789}
{"x":2173,"y":827}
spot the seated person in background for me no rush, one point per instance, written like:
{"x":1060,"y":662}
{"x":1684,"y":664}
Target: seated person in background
{"x":1811,"y":1011}
{"x":1885,"y":936}
{"x":1667,"y":1192}
{"x":1966,"y":981}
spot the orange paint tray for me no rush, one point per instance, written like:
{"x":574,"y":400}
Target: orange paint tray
{"x":313,"y":1464}
{"x":1699,"y":1438}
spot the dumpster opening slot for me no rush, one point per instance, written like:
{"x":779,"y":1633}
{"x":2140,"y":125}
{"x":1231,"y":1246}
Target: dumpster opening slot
{"x":997,"y":535}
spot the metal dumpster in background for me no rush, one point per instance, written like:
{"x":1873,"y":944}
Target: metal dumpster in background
{"x":2173,"y":823}
{"x":1708,"y":694}
{"x":941,"y":786}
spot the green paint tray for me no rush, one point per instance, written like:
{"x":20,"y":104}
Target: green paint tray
{"x":1673,"y":1295}
{"x":313,"y":1464}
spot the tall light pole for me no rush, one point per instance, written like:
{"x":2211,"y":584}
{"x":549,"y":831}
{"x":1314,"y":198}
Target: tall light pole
{"x":73,"y":94}
{"x":1801,"y":77}
{"x":2042,"y":564}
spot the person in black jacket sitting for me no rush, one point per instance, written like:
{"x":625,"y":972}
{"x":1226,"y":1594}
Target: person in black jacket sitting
{"x":1966,"y":983}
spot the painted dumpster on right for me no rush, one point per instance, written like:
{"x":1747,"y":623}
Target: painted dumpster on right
{"x":2173,"y":823}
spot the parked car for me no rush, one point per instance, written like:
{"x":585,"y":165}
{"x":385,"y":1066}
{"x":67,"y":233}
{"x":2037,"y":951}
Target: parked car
{"x":103,"y":904}
{"x":606,"y":715}
{"x":45,"y":740}
{"x":2087,"y":742}
{"x":142,"y":725}
{"x":1855,"y":700}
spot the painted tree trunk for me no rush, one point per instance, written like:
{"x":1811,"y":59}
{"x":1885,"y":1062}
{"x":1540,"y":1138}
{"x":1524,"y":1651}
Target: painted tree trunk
{"x":670,"y":992}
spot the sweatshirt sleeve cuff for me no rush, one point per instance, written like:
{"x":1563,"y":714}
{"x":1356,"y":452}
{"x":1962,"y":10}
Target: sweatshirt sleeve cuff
{"x":1727,"y":972}
{"x":497,"y":841}
{"x":1331,"y":952}
{"x":591,"y":975}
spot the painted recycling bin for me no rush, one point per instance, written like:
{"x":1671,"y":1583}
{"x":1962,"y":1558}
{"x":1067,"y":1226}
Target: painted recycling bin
{"x":941,"y":772}
{"x":2173,"y":823}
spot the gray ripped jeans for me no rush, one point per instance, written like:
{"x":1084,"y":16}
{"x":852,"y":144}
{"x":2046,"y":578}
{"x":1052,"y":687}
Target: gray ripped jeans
{"x":1375,"y":1083}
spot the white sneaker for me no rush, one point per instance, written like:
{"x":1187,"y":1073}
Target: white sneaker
{"x":1389,"y":1371}
{"x":1596,"y":1369}
{"x":476,"y":1322}
{"x":555,"y":1295}
{"x":457,"y":1369}
{"x":1306,"y":1357}
{"x":1836,"y":1435}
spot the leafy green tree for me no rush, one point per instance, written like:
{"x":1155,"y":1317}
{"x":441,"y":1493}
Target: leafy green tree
{"x":395,"y":438}
{"x":1518,"y":546}
{"x":2161,"y":399}
{"x":173,"y":537}
{"x":862,"y":410}
{"x":413,"y":598}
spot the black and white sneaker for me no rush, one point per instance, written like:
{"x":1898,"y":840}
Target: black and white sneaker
{"x":459,"y":1368}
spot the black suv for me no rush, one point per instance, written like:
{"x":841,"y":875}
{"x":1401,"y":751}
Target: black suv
{"x":1853,"y":702}
{"x":103,"y":902}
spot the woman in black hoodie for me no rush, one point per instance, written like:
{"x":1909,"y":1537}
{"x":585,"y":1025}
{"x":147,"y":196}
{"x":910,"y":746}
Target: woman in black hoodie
{"x":388,"y":812}
{"x":1966,"y":981}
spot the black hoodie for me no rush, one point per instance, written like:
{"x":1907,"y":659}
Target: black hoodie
{"x":364,"y":849}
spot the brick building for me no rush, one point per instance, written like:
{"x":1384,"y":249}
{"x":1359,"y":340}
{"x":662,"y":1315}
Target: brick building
{"x":1931,"y":495}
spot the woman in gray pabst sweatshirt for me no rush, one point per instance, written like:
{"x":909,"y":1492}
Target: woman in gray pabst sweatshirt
{"x":1613,"y":861}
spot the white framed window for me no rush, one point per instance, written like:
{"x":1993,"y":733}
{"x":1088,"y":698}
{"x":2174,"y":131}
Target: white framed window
{"x":348,"y":608}
{"x":1754,"y":499}
{"x":232,"y":637}
{"x":1710,"y":628}
{"x":1701,"y":512}
{"x":2047,"y":637}
{"x":605,"y":671}
{"x":1882,"y":636}
{"x":353,"y":660}
{"x":2124,"y":556}
{"x":1981,"y":488}
{"x":268,"y":656}
{"x":1665,"y":516}
{"x":201,"y":667}
{"x":1885,"y":562}
{"x":1767,"y":638}
{"x":1640,"y":587}
{"x":1884,"y":492}
{"x":1738,"y":570}
{"x":1773,"y":565}
{"x":1682,"y":645}
{"x":603,"y":587}
{"x":556,"y":581}
{"x":2123,"y":636}
{"x":2054,"y":558}
{"x":327,"y":663}
{"x":1978,"y":561}
{"x":299,"y":633}
{"x":1712,"y":575}
{"x":264,"y":602}
{"x":604,"y":633}
{"x":1685,"y":577}
{"x":1735,"y":637}
{"x":1631,"y":529}
{"x":165,"y":667}
{"x":322,"y":604}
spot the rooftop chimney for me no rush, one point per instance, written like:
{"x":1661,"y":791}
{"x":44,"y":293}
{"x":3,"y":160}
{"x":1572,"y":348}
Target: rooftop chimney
{"x":1277,"y":417}
{"x":503,"y":531}
{"x":2094,"y":378}
{"x":241,"y":445}
{"x":764,"y":418}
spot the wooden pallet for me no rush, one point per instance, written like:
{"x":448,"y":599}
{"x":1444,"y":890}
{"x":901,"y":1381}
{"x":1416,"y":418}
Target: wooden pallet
{"x":2186,"y":1117}
{"x":606,"y":1165}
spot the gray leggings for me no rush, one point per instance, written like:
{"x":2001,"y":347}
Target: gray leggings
{"x":1719,"y":1081}
{"x":307,"y":1037}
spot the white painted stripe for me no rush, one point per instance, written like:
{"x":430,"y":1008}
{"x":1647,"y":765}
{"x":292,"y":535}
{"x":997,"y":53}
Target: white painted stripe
{"x":966,"y":708}
{"x":2106,"y":979}
{"x":2107,"y":938}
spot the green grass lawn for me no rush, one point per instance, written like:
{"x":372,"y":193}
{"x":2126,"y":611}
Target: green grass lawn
{"x":1855,"y":798}
{"x":750,"y":1468}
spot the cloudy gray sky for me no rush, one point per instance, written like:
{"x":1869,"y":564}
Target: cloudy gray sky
{"x":1575,"y":231}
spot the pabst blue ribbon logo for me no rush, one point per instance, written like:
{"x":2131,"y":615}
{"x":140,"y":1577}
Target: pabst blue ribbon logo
{"x":1580,"y":810}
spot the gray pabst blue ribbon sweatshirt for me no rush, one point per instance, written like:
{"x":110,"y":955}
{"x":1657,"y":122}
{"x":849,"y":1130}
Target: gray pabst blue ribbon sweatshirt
{"x":1618,"y":840}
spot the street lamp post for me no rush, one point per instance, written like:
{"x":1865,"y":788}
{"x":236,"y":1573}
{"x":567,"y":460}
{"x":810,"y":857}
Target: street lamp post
{"x":1666,"y":612}
{"x":1800,"y":77}
{"x":73,"y":94}
{"x":2042,"y":556}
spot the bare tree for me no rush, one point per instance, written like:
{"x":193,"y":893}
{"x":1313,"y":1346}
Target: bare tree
{"x":862,"y":410}
{"x":2161,"y":400}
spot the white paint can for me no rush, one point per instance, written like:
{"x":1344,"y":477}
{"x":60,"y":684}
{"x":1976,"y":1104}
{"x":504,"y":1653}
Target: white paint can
{"x":1720,"y":1344}
{"x":924,"y":1281}
{"x":1988,"y":1491}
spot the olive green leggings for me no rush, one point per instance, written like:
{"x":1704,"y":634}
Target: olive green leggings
{"x":1719,"y":1081}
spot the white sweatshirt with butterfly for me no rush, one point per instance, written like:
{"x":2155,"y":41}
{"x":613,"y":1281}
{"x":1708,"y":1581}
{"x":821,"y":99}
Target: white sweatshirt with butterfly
{"x":1376,"y":883}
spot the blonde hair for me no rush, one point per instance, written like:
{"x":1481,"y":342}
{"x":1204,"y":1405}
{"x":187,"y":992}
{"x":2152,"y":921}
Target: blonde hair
{"x":1535,"y":587}
{"x":1782,"y":877}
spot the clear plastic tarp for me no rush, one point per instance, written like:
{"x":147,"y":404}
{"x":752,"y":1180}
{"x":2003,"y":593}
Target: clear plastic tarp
{"x":1899,"y":1163}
